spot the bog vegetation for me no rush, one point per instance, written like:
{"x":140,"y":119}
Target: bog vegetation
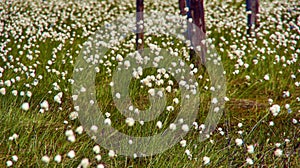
{"x":39,"y":126}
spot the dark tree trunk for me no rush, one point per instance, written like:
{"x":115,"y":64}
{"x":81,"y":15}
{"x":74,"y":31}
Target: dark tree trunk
{"x":202,"y":14}
{"x":196,"y":12}
{"x":181,"y":7}
{"x":252,"y":6}
{"x":140,"y":25}
{"x":256,"y":11}
{"x":202,"y":32}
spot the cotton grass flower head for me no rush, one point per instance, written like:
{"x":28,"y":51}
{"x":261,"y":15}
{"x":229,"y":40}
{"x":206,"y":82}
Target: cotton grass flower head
{"x":15,"y":158}
{"x":14,"y":92}
{"x":130,"y":121}
{"x":240,"y":125}
{"x":278,"y":152}
{"x":3,"y":91}
{"x":270,"y":101}
{"x":107,"y":121}
{"x":45,"y":105}
{"x":249,"y":161}
{"x":25,"y":106}
{"x":267,"y":77}
{"x":79,"y":130}
{"x":57,"y":158}
{"x":185,"y":128}
{"x":277,"y":145}
{"x":96,"y":149}
{"x":188,"y":153}
{"x":173,"y":126}
{"x":13,"y":137}
{"x":73,"y":115}
{"x":84,"y":163}
{"x":206,"y":160}
{"x":239,"y":142}
{"x":98,"y":158}
{"x":71,"y":154}
{"x":111,"y":153}
{"x":57,"y":98}
{"x":294,"y":121}
{"x":183,"y":143}
{"x":71,"y":138}
{"x":46,"y":159}
{"x":118,"y":95}
{"x":286,"y":94}
{"x":250,"y":149}
{"x":9,"y":163}
{"x":100,"y":166}
{"x":159,"y":124}
{"x":275,"y":109}
{"x":94,"y":128}
{"x":69,"y":133}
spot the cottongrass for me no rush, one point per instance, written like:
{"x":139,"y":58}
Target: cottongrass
{"x":57,"y":158}
{"x":239,"y":142}
{"x":46,"y":159}
{"x":206,"y":160}
{"x":39,"y":78}
{"x":9,"y":163}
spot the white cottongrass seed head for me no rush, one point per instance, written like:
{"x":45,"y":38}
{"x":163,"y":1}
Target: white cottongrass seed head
{"x":239,"y":142}
{"x":206,"y":160}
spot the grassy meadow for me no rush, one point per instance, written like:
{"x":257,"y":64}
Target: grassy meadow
{"x":39,"y":126}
